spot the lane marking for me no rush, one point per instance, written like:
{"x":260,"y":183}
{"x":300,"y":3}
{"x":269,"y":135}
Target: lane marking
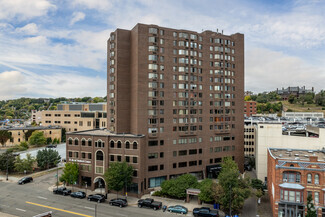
{"x":62,"y":210}
{"x":89,"y":208}
{"x":21,"y":210}
{"x":42,"y":197}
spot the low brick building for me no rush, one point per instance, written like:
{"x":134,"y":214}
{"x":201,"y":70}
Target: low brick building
{"x":293,"y":174}
{"x":18,"y":133}
{"x":249,"y":108}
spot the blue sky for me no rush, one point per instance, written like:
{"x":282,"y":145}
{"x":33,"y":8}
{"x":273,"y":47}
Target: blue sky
{"x":54,"y":48}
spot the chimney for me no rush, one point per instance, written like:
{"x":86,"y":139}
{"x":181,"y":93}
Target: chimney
{"x":313,"y":158}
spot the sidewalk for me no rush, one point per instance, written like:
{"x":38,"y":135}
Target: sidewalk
{"x":6,"y":215}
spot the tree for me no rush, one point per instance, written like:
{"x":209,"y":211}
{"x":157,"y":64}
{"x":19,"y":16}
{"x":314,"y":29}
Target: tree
{"x":311,"y":211}
{"x":118,"y":175}
{"x":291,"y":99}
{"x":231,"y":188}
{"x":37,"y":138}
{"x":257,"y":184}
{"x":47,"y":158}
{"x":48,"y":140}
{"x":5,"y":135}
{"x":28,"y":133}
{"x":206,"y":188}
{"x":70,"y":173}
{"x":63,"y":134}
{"x":176,"y":188}
{"x":22,"y":165}
{"x":9,"y":158}
{"x":248,"y":98}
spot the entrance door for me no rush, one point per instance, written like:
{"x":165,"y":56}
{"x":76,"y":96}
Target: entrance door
{"x":290,"y":212}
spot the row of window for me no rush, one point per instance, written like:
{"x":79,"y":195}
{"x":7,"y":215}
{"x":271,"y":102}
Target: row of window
{"x":292,"y":176}
{"x":101,"y":144}
{"x":128,"y":159}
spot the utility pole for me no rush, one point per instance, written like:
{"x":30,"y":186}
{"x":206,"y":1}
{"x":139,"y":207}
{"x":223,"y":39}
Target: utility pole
{"x":57,"y":177}
{"x":230,"y":202}
{"x":7,"y":169}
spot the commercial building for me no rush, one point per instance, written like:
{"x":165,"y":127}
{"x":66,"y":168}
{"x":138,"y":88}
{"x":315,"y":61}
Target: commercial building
{"x":293,"y":175}
{"x":249,"y":140}
{"x":271,"y":136}
{"x":250,"y":108}
{"x":18,"y":133}
{"x":178,"y":96}
{"x":76,"y":116}
{"x":303,"y":115}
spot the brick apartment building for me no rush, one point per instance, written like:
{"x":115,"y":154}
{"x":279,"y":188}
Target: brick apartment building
{"x":74,"y":116}
{"x":175,"y":106}
{"x":250,"y":108}
{"x":293,"y":174}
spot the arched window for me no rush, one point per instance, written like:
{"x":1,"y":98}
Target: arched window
{"x":76,"y":142}
{"x":112,"y":144}
{"x":309,"y":178}
{"x":70,"y":141}
{"x":83,"y":142}
{"x":127,"y":145}
{"x":291,"y":176}
{"x":316,"y":179}
{"x":119,"y":144}
{"x":89,"y":142}
{"x":99,"y":156}
{"x":135,"y":145}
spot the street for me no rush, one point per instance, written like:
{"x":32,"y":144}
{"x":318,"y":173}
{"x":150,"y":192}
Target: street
{"x":35,"y":198}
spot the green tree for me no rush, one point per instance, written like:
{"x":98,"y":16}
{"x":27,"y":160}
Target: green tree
{"x":206,"y":188}
{"x":48,"y":140}
{"x":118,"y":175}
{"x":70,"y":173}
{"x":176,"y":188}
{"x":320,"y":98}
{"x":22,"y":165}
{"x":257,"y":184}
{"x":47,"y":158}
{"x":28,"y":133}
{"x":311,"y":211}
{"x":231,"y":187}
{"x":98,"y":99}
{"x":63,"y":134}
{"x":291,"y":99}
{"x":9,"y":158}
{"x":37,"y":138}
{"x":5,"y":135}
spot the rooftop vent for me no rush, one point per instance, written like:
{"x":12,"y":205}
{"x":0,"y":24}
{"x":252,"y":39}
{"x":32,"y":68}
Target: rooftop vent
{"x":310,"y":151}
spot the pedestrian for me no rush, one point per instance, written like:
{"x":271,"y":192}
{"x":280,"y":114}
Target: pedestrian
{"x":164,"y":208}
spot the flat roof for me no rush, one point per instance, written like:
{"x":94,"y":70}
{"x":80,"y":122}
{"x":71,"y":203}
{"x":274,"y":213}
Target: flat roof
{"x":103,"y":132}
{"x":297,"y":154}
{"x":30,"y":128}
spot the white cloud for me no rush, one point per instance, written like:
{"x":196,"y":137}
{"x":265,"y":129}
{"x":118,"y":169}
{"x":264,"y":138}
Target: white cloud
{"x":267,"y":70}
{"x":29,"y":29}
{"x":77,"y":16}
{"x":15,"y":84}
{"x":24,"y":9}
{"x":94,"y":4}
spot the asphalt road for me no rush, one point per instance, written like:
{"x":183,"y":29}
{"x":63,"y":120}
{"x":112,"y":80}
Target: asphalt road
{"x":60,"y":148}
{"x":35,"y":198}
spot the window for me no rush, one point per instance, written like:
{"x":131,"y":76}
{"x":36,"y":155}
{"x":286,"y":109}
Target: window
{"x":76,"y":142}
{"x":135,"y":145}
{"x":309,"y":178}
{"x":316,"y":179}
{"x":89,"y":142}
{"x":112,"y":144}
{"x":127,"y":145}
{"x":83,"y":142}
{"x":99,"y":156}
{"x":153,"y":30}
{"x":316,"y":197}
{"x":119,"y":144}
{"x":135,"y":160}
{"x":152,"y":168}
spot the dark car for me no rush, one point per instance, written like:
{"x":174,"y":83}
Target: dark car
{"x":118,"y":202}
{"x":25,"y":180}
{"x":51,"y":146}
{"x":96,"y":197}
{"x":205,"y":212}
{"x":62,"y":190}
{"x":149,"y":203}
{"x":78,"y":194}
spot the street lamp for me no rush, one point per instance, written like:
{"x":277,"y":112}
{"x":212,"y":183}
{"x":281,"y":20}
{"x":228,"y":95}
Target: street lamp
{"x":7,"y":169}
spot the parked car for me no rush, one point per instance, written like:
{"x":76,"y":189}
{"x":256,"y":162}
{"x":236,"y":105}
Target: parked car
{"x":118,"y":202}
{"x":25,"y":180}
{"x":62,"y":190}
{"x":205,"y":212}
{"x":96,"y":197}
{"x":150,"y":203}
{"x":177,"y":209}
{"x":78,"y":194}
{"x":51,"y":146}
